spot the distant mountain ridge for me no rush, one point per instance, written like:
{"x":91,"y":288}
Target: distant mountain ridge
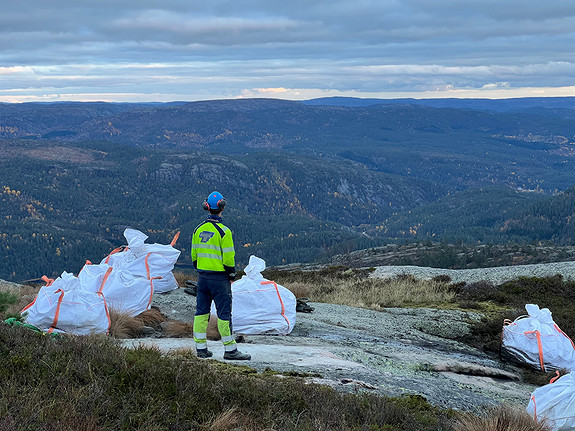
{"x":499,"y":105}
{"x":243,"y":121}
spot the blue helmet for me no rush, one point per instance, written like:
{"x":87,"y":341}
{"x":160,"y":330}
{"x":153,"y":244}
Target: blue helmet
{"x":214,"y":201}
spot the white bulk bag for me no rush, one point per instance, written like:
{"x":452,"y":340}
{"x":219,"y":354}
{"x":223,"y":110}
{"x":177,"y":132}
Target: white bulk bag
{"x":537,"y":341}
{"x":165,"y":282}
{"x":62,"y":306}
{"x":146,"y":260}
{"x":93,"y":277}
{"x":123,"y":291}
{"x":128,"y":294}
{"x":555,"y":403}
{"x":66,"y":281}
{"x":261,"y":306}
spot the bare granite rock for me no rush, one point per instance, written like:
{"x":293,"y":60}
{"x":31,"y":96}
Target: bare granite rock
{"x":391,"y":352}
{"x":497,"y":275}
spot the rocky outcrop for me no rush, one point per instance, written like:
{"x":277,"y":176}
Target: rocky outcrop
{"x":391,"y":352}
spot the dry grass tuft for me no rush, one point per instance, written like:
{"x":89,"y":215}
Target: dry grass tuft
{"x":213,"y":333}
{"x":375,"y":293}
{"x":177,"y":329}
{"x":300,"y":290}
{"x":228,"y":420}
{"x":500,"y":418}
{"x":152,"y":317}
{"x":181,"y":278}
{"x":122,"y":325}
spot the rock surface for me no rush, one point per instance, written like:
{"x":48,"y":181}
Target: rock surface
{"x":496,"y":275}
{"x":391,"y":352}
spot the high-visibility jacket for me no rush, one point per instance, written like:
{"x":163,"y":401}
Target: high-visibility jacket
{"x":213,"y":247}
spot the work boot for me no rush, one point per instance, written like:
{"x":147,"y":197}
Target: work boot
{"x":204,"y":353}
{"x":236,"y":355}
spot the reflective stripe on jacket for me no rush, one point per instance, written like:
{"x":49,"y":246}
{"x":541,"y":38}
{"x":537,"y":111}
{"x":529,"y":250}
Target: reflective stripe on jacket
{"x":213,"y":247}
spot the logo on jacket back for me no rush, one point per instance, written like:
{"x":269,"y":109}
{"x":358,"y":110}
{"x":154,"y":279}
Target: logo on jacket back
{"x":206,"y":236}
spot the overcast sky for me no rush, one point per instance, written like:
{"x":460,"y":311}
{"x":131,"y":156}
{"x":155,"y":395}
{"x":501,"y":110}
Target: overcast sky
{"x":143,"y":50}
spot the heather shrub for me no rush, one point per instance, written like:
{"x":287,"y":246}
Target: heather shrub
{"x":14,"y":299}
{"x":477,"y":291}
{"x":89,"y":383}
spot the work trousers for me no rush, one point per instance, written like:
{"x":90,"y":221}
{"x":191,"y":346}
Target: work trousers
{"x":217,"y":288}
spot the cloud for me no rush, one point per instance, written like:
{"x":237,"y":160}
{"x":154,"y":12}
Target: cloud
{"x":495,"y":86}
{"x":12,"y":70}
{"x":225,"y":48}
{"x":271,"y":90}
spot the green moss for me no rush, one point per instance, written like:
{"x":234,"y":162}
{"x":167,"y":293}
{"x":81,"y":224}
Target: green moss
{"x":226,"y":367}
{"x":292,"y":373}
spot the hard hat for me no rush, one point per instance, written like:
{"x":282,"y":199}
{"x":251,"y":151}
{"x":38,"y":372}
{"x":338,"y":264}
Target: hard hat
{"x":214,"y":201}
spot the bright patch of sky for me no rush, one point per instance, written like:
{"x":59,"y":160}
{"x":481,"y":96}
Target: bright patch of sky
{"x":143,"y":50}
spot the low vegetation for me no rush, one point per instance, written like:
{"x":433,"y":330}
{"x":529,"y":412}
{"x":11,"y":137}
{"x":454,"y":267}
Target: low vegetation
{"x":358,"y":291}
{"x":90,"y":383}
{"x":501,"y":418}
{"x":508,"y":301}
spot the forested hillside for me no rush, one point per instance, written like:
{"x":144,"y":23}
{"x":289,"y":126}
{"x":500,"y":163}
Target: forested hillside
{"x":455,"y":147}
{"x":302,"y":182}
{"x":67,"y":203}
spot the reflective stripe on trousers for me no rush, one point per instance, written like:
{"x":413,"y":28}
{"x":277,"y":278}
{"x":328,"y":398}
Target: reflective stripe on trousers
{"x":225,"y":331}
{"x":200,"y":330}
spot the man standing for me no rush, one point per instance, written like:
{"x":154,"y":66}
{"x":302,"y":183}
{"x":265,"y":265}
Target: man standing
{"x":213,"y":257}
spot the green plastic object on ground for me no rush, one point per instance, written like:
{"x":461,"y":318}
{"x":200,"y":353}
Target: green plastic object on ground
{"x":13,"y":321}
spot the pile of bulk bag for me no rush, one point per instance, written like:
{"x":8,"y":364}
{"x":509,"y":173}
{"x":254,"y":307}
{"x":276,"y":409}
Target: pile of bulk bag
{"x":555,"y":403}
{"x":63,"y":306}
{"x":537,"y":341}
{"x":124,"y":281}
{"x":261,"y":306}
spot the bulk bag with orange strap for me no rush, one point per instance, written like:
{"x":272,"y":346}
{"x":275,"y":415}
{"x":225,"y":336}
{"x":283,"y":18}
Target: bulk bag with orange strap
{"x":555,"y":403}
{"x":63,"y":306}
{"x":129,"y":294}
{"x":146,"y":260}
{"x":260,"y":306}
{"x":536,"y":340}
{"x":123,"y":291}
{"x":93,"y":278}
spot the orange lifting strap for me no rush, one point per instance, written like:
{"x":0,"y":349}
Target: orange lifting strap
{"x":280,"y":298}
{"x":539,"y":346}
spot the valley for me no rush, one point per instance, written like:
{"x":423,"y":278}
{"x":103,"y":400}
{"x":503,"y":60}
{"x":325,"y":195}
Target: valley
{"x":305,"y":181}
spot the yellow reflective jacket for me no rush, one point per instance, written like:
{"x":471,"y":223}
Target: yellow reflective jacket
{"x":213,"y":248}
